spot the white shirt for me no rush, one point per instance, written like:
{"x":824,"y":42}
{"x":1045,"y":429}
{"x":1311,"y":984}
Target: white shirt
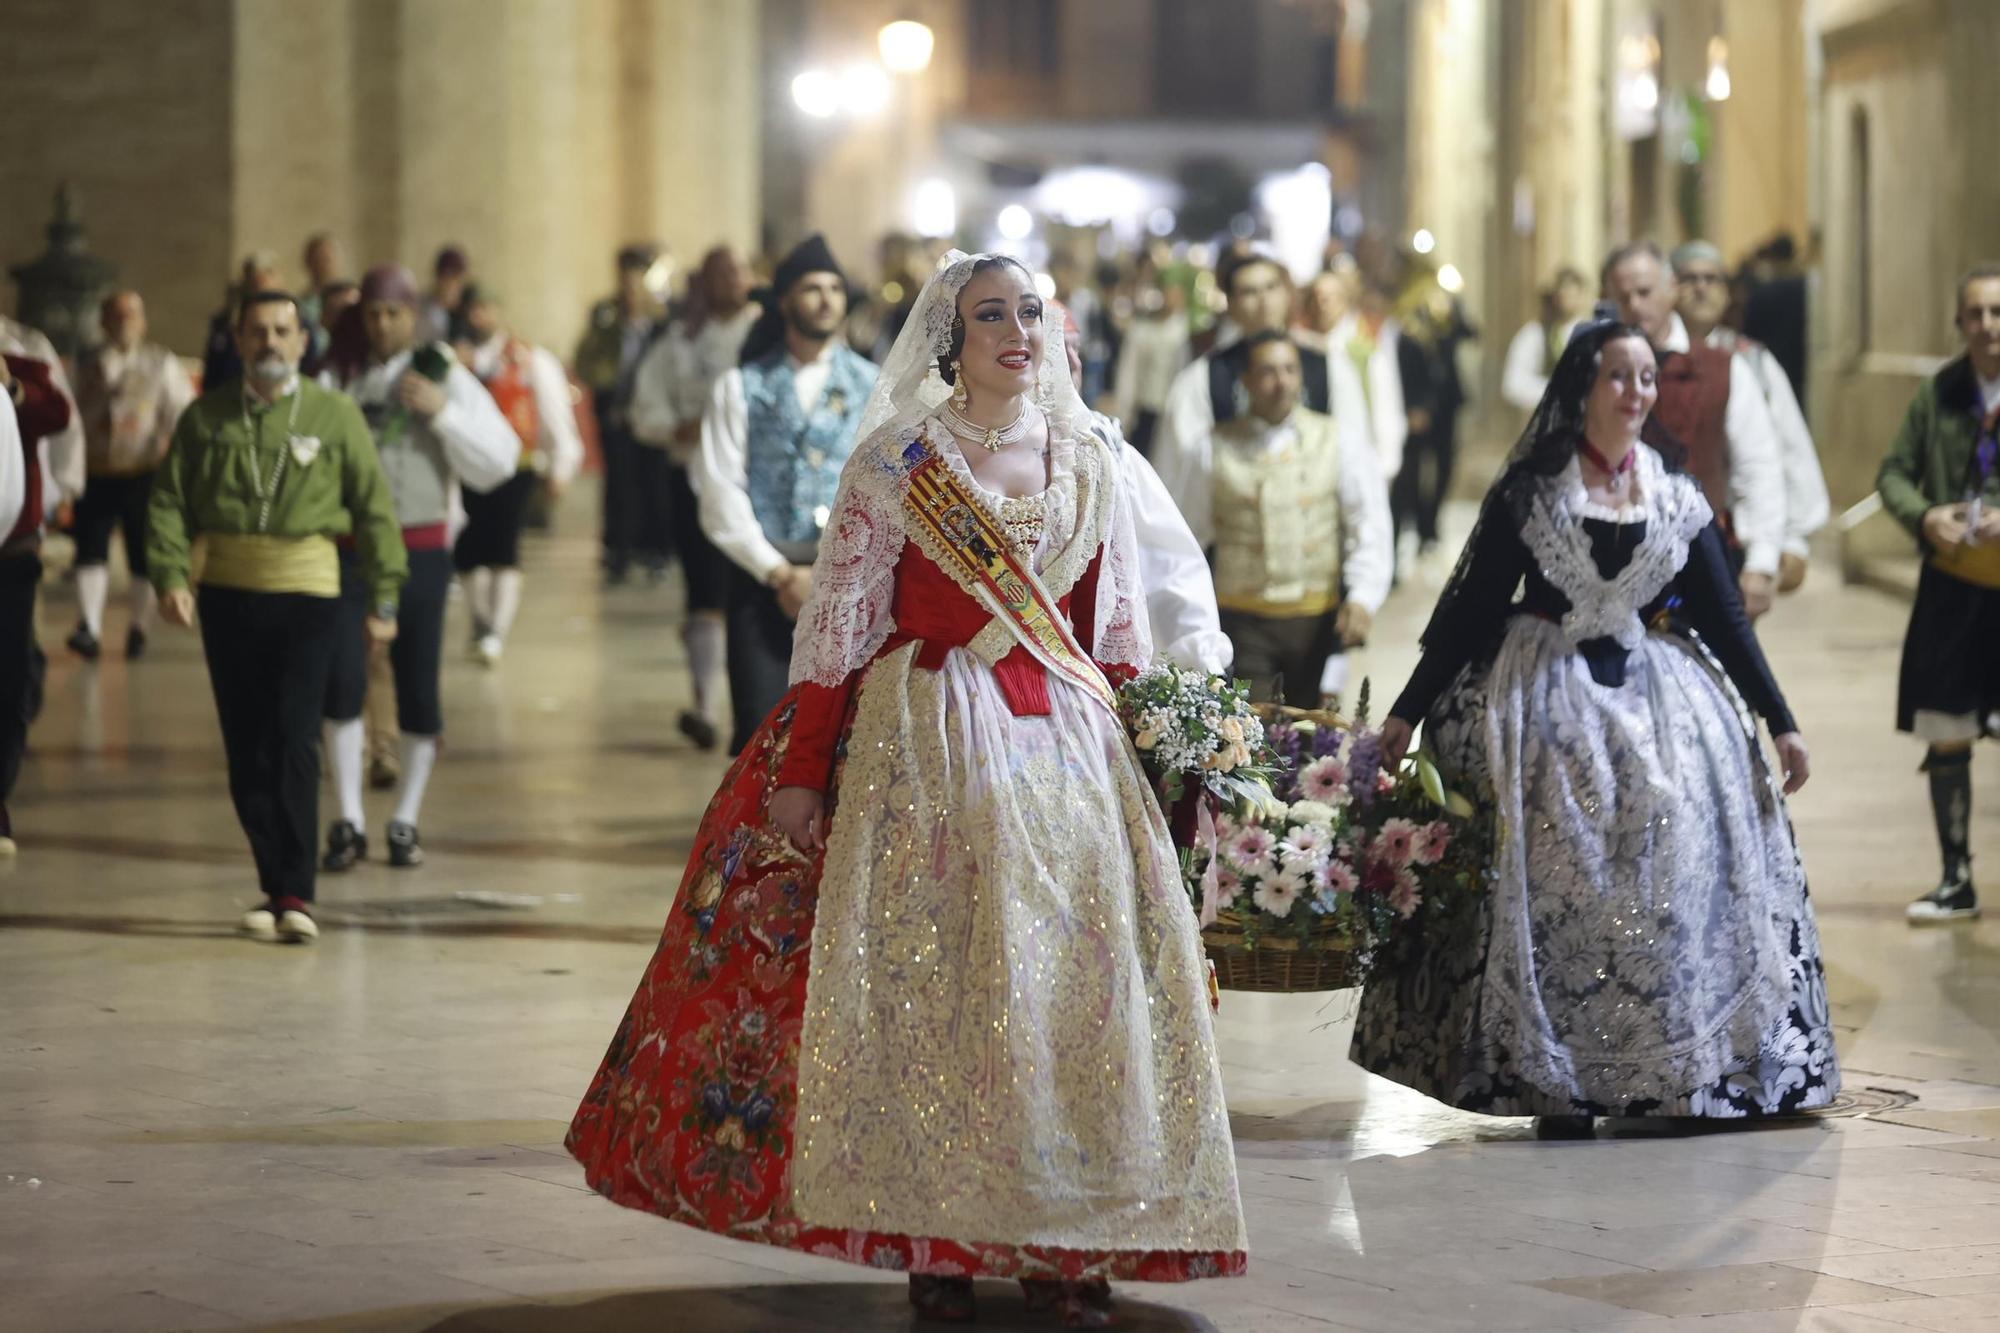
{"x":13,"y":468}
{"x":1807,"y":505}
{"x":480,"y":447}
{"x":1756,"y":463}
{"x":720,"y":468}
{"x":1180,"y":590}
{"x":1378,"y":403}
{"x":1154,"y":351}
{"x":62,"y":454}
{"x":559,"y":445}
{"x":676,"y":378}
{"x":1989,"y":392}
{"x":1367,"y":535}
{"x":1524,"y":376}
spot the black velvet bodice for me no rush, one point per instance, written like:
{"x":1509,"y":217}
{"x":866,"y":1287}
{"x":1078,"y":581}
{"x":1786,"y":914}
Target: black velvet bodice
{"x":1703,"y":597}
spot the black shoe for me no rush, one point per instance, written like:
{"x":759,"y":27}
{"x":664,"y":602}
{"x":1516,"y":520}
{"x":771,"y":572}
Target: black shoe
{"x":406,"y":852}
{"x":1952,"y":900}
{"x":1556,"y":1128}
{"x":84,"y":644}
{"x":345,"y":845}
{"x":699,"y":730}
{"x":382,"y":775}
{"x":135,"y":644}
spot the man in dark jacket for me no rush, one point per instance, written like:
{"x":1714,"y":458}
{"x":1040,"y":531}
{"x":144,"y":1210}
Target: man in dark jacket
{"x":1941,"y":480}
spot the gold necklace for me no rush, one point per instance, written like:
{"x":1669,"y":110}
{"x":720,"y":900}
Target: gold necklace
{"x":990,"y":438}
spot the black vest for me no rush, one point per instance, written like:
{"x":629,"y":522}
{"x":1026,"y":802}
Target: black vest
{"x":1225,"y":378}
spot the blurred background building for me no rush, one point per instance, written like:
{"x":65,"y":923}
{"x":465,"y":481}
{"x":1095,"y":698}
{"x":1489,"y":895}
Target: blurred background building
{"x":1496,"y":139}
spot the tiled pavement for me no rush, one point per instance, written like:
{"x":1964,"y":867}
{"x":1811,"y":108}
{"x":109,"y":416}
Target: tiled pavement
{"x":198,"y":1132}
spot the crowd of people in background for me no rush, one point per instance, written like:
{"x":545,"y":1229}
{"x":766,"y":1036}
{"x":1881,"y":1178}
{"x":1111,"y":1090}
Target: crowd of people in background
{"x":1227,"y":371}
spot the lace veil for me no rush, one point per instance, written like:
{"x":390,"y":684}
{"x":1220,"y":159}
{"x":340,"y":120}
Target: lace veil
{"x":1546,"y":447}
{"x":848,"y":616}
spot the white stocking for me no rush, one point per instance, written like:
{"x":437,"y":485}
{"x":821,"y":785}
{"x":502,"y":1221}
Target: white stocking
{"x":419,"y":756}
{"x":345,"y":745}
{"x":506,"y":601}
{"x":93,"y":585}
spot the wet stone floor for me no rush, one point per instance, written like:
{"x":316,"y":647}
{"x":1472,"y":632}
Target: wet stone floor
{"x":201,"y":1132}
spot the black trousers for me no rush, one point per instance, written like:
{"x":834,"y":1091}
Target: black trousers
{"x":1282,"y":657}
{"x":268,"y":658}
{"x":706,"y":569}
{"x":1418,"y":493}
{"x":417,"y":655}
{"x":110,"y":503}
{"x":759,"y":654}
{"x":492,"y":536}
{"x":20,"y":676}
{"x":635,"y":502}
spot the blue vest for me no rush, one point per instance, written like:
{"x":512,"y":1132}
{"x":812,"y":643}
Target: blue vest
{"x":795,"y":458}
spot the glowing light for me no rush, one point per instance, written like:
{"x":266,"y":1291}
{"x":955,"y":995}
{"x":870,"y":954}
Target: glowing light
{"x":1015,"y":222}
{"x":1423,"y":242}
{"x":1161,"y":222}
{"x":817,"y":93}
{"x":906,"y":46}
{"x":864,"y":90}
{"x":1297,"y":206}
{"x":934,"y":208}
{"x":1717,"y":87}
{"x":1451,"y":279}
{"x":1045,"y":284}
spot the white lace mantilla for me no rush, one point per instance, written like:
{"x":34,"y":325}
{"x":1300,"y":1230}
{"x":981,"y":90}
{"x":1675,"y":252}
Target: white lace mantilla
{"x":1674,"y":511}
{"x":1086,"y":510}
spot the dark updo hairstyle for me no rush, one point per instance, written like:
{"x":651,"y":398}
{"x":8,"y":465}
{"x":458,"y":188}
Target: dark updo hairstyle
{"x":984,"y":264}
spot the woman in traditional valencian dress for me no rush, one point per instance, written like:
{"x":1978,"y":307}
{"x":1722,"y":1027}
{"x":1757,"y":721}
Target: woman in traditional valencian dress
{"x":1647,"y":947}
{"x":932,"y":996}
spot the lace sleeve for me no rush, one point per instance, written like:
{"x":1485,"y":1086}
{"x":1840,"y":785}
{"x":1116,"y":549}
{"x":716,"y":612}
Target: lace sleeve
{"x":1123,"y":636}
{"x":849,"y":616}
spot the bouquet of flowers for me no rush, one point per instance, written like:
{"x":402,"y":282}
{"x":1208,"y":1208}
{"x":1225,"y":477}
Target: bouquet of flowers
{"x":1195,"y":731}
{"x":1346,"y":852}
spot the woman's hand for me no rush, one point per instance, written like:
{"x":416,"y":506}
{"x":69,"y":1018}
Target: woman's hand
{"x":1797,"y":760}
{"x":800,"y":813}
{"x":1395,"y":742}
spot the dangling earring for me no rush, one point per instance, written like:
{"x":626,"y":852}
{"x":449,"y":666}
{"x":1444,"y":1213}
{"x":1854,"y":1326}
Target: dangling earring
{"x":959,"y":397}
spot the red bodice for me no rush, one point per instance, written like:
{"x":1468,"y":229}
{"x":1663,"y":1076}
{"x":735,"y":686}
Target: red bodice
{"x":933,"y":612}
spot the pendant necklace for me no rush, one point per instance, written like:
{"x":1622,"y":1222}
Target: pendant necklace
{"x":991,"y":439}
{"x":268,"y":491}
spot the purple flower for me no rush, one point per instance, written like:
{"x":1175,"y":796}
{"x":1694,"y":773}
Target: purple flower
{"x":1364,"y":762}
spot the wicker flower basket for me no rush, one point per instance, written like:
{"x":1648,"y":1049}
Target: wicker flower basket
{"x":1323,"y":961}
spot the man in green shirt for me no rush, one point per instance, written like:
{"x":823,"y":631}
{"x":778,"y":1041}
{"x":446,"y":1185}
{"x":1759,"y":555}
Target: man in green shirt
{"x":1941,"y":480}
{"x":265,"y":473}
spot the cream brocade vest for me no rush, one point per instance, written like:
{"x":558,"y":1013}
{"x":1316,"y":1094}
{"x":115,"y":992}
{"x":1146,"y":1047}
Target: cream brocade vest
{"x":1277,"y":518}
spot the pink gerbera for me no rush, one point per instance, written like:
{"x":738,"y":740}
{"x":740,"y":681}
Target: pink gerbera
{"x":1252,"y":844}
{"x":1396,"y":843}
{"x":1404,"y":897}
{"x":1433,"y":840}
{"x":1324,"y":780}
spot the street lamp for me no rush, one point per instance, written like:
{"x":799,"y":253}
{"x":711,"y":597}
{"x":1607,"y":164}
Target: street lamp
{"x":906,"y":46}
{"x":817,"y":93}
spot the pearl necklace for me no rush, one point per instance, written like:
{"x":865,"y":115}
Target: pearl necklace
{"x":990,"y":438}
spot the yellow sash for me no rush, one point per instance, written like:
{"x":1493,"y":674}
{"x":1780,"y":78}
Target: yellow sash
{"x":981,"y":557}
{"x":1975,"y":563}
{"x":254,"y":562}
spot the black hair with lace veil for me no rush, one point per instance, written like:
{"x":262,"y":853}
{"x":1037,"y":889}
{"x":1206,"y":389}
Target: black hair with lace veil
{"x":1546,"y":446}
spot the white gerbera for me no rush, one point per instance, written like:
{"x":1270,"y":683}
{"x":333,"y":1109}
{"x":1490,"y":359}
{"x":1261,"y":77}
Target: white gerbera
{"x":1312,"y":812}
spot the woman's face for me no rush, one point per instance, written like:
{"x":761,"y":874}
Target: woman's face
{"x":1626,"y":388}
{"x":1002,"y":314}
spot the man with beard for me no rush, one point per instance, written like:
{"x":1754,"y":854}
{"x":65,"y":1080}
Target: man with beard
{"x":435,"y":428}
{"x":777,"y":431}
{"x":268,"y":472}
{"x":1941,"y":481}
{"x":1210,"y":391}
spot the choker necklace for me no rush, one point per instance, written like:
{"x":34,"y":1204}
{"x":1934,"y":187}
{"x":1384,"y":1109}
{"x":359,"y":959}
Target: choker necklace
{"x":990,"y":438}
{"x":1590,"y":451}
